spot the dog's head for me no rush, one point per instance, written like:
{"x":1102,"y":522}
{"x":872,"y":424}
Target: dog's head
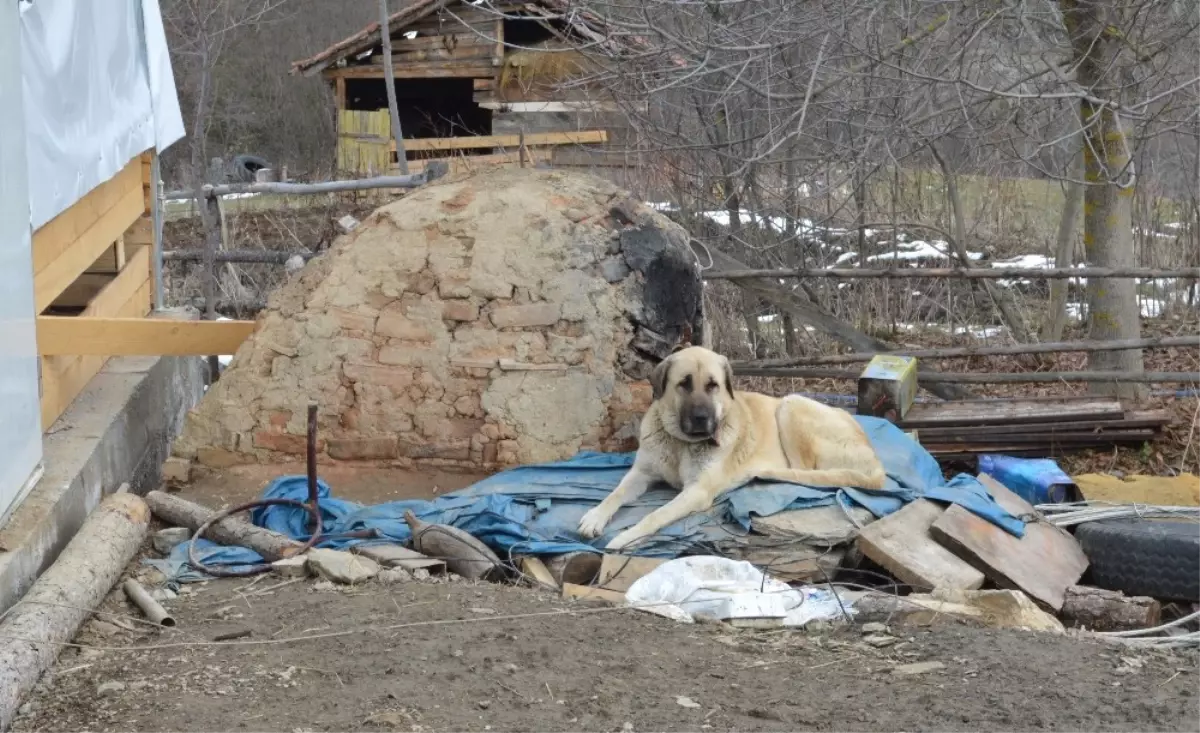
{"x":695,"y":387}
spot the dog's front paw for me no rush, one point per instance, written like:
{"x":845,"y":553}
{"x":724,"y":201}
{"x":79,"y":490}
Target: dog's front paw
{"x":594,"y":522}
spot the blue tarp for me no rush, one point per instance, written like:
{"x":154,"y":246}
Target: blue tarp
{"x":535,"y":509}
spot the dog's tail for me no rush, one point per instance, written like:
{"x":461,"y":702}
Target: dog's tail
{"x":831,"y":478}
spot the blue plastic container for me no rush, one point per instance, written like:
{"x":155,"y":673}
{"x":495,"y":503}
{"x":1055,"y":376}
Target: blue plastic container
{"x":1036,"y":480}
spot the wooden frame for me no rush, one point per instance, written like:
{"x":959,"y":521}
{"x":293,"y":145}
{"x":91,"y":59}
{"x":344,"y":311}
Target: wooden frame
{"x":476,"y":142}
{"x":96,"y":255}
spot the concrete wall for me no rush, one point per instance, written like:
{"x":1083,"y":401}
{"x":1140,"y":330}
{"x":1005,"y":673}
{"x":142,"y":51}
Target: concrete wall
{"x":118,"y":430}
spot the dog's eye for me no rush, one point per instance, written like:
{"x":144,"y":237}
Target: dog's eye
{"x":711,"y":386}
{"x":686,"y":383}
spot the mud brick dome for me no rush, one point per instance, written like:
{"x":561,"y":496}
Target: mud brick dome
{"x":508,"y":317}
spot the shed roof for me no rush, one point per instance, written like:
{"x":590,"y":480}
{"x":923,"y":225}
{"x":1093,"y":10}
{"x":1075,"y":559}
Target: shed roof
{"x":587,"y":24}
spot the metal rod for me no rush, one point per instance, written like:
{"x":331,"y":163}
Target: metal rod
{"x":995,"y":378}
{"x":156,"y":219}
{"x":433,"y":171}
{"x":1050,"y":347}
{"x":249,"y":256}
{"x":311,"y":460}
{"x":154,"y":611}
{"x":952,"y":273}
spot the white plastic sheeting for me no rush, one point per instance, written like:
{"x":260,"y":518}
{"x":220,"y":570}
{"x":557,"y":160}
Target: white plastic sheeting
{"x":98,"y":91}
{"x":20,"y":424}
{"x":719,"y":589}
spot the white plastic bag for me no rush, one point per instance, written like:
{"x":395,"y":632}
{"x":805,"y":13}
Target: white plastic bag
{"x":718,"y":588}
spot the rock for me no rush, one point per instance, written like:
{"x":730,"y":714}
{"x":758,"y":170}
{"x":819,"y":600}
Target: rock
{"x":163,"y":594}
{"x":291,"y":567}
{"x":347,"y":224}
{"x":391,"y":576}
{"x":880,"y":640}
{"x":686,"y":702}
{"x":293,"y":264}
{"x":908,"y":670}
{"x":167,"y":539}
{"x":341,"y":567}
{"x":874,"y":627}
{"x":106,"y":688}
{"x":484,"y":704}
{"x":176,"y":470}
{"x":420,"y":574}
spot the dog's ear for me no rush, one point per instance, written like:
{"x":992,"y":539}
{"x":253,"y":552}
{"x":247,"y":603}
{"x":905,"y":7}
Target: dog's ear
{"x":658,"y":378}
{"x":729,"y":377}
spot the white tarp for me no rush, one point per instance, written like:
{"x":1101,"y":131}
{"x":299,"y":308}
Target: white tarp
{"x":98,"y":91}
{"x":20,"y":426}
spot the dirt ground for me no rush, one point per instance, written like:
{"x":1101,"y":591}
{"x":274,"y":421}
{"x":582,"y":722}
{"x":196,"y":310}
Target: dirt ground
{"x":429,"y":656}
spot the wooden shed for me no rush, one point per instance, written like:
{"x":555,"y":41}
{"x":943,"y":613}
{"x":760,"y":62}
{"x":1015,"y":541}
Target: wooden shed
{"x":501,"y":83}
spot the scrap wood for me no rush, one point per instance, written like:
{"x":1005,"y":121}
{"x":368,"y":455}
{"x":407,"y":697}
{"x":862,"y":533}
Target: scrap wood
{"x":593,"y":593}
{"x":534,"y":568}
{"x":229,"y":531}
{"x":579,"y":568}
{"x":1000,"y":609}
{"x":393,"y":555}
{"x":901,"y":544}
{"x":51,"y":612}
{"x":618,"y":572}
{"x":793,"y":562}
{"x":1098,"y":609}
{"x":1043,"y":563}
{"x":825,"y":526}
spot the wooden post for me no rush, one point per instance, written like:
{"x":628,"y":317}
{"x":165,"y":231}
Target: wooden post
{"x":521,"y":147}
{"x":210,"y":210}
{"x":389,"y":76}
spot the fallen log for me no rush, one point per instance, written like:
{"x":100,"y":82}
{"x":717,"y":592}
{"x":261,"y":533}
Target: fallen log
{"x":51,"y":613}
{"x":1098,"y":609}
{"x":229,"y":531}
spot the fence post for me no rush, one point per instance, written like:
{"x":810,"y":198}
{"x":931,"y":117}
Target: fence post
{"x":210,"y":212}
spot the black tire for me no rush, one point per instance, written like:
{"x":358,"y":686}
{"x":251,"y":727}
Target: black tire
{"x":245,"y":166}
{"x":1143,"y":557}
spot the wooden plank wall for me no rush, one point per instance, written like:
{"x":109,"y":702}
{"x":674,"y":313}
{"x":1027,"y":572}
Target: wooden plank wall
{"x":113,"y":216}
{"x":364,"y":142}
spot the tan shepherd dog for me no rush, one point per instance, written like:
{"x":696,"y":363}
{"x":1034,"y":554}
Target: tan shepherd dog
{"x":704,"y":438}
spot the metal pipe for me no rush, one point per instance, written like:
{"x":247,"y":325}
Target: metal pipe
{"x":156,"y":217}
{"x":143,"y":600}
{"x":433,"y":171}
{"x":244,"y":256}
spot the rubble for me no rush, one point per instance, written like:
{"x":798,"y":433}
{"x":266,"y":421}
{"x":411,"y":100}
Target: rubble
{"x":341,"y":567}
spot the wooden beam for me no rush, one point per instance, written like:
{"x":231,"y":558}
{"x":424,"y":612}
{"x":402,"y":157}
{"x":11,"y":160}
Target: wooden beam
{"x":581,"y":137}
{"x":62,"y":335}
{"x":421,"y":70}
{"x":57,"y":236}
{"x":468,"y":163}
{"x":62,"y":261}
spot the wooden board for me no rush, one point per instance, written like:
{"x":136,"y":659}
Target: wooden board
{"x":618,"y":572}
{"x":61,"y":256}
{"x":580,"y":137}
{"x":592,"y":593}
{"x":83,"y":290}
{"x":1043,"y":563}
{"x":60,"y":335}
{"x":64,"y":377}
{"x":537,"y":570}
{"x":948,"y":414}
{"x":417,"y":70}
{"x":900,"y":543}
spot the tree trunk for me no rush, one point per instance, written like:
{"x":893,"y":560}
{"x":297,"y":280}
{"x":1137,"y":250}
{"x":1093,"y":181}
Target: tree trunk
{"x":1108,"y":199}
{"x":64,"y":596}
{"x":389,"y":77}
{"x":1064,"y":250}
{"x":1109,"y":610}
{"x":229,"y":531}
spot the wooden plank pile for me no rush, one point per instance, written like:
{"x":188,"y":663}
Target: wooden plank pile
{"x":1031,"y":428}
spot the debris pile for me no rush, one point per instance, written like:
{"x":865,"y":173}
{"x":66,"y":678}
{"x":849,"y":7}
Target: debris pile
{"x":963,"y":430}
